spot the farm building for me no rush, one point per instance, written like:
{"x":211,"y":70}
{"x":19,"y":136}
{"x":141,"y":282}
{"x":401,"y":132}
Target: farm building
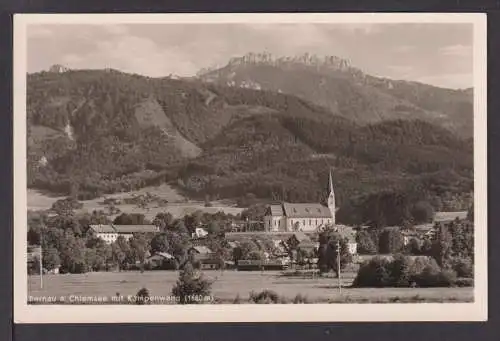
{"x":110,"y":233}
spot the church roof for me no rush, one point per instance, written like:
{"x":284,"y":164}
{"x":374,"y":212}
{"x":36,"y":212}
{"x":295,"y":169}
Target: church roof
{"x":306,"y":211}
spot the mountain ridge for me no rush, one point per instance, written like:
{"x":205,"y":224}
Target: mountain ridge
{"x":347,"y":91}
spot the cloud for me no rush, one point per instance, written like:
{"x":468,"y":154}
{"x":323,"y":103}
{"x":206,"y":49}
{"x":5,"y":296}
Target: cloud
{"x":404,"y":48}
{"x":456,"y":50}
{"x":448,"y":80}
{"x":366,"y":29}
{"x":401,"y":70}
{"x":72,"y":59}
{"x":116,"y":29}
{"x":38,"y":31}
{"x":135,"y":55}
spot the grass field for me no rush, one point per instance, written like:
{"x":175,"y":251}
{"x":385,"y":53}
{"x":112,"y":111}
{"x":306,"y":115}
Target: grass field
{"x":226,"y":286}
{"x":178,"y":206}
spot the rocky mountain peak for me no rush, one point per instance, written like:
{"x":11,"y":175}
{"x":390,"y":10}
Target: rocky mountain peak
{"x":317,"y":62}
{"x":307,"y":59}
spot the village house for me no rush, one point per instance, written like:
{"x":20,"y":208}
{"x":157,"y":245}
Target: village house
{"x":110,"y":233}
{"x":199,"y":233}
{"x":201,"y":253}
{"x":208,"y":259}
{"x":158,"y":259}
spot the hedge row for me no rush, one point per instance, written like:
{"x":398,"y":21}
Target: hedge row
{"x":404,"y":271}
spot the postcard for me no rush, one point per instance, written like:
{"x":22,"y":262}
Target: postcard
{"x":250,"y":167}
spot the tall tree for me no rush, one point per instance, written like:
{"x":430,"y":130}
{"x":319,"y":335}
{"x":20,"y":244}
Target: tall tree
{"x":365,"y":242}
{"x":391,"y":241}
{"x":138,"y":247}
{"x":51,"y":259}
{"x":442,"y":245}
{"x":191,"y":286}
{"x":328,"y":252}
{"x":422,"y":212}
{"x":163,"y":220}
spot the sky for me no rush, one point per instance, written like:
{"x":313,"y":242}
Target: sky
{"x":436,"y":54}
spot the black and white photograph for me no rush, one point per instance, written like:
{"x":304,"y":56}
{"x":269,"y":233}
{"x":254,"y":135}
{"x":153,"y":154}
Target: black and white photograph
{"x":250,"y":167}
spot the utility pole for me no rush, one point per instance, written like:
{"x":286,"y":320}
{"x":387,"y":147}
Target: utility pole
{"x":338,"y":267}
{"x":41,"y":260}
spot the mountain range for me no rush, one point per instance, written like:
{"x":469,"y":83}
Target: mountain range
{"x":261,"y":127}
{"x":346,"y":91}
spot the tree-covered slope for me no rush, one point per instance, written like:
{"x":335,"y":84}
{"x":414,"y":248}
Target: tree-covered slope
{"x":102,"y":131}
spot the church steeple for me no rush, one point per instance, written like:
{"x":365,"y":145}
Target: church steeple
{"x":331,"y":198}
{"x":331,"y":182}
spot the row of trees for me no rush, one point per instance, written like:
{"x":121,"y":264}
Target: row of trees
{"x":403,"y":271}
{"x":453,"y":239}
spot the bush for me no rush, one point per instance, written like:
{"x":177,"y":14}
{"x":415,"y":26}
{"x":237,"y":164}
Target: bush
{"x":142,"y":296}
{"x":265,"y":297}
{"x":403,"y":272}
{"x":300,"y":299}
{"x":419,"y":263}
{"x":237,"y":299}
{"x":399,"y":272}
{"x":463,"y":267}
{"x":373,"y":273}
{"x":433,"y":276}
{"x":464,"y":282}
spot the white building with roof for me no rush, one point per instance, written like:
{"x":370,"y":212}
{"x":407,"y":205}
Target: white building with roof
{"x":306,"y":217}
{"x":110,"y":233}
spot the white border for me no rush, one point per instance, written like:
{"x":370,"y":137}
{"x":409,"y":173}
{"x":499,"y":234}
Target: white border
{"x":24,"y":313}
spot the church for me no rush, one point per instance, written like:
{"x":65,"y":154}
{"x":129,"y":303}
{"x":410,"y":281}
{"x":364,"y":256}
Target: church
{"x":305,"y":217}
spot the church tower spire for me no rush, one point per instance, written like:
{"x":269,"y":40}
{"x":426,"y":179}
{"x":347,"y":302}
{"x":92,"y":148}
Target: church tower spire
{"x":331,"y":198}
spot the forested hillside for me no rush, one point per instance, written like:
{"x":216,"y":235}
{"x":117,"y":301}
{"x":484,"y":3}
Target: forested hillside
{"x":103,"y":131}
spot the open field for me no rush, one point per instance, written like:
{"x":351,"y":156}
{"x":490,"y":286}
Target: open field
{"x":177,"y":205}
{"x":228,"y":285}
